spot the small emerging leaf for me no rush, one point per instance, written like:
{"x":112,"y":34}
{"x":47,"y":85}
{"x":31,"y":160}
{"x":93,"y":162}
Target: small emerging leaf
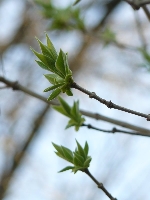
{"x":54,"y":94}
{"x":65,"y":105}
{"x":52,"y":87}
{"x":66,"y":168}
{"x":86,"y":148}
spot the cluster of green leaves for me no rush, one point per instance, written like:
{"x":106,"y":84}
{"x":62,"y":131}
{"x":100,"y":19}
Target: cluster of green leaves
{"x":79,"y":158}
{"x":108,"y":36}
{"x":73,"y":113}
{"x":61,"y":77}
{"x":61,"y":18}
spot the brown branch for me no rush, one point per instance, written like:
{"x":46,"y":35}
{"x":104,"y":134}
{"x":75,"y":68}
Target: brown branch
{"x":113,"y":130}
{"x":100,"y":185}
{"x":137,"y":6}
{"x":20,"y":154}
{"x":16,"y":86}
{"x":109,"y":104}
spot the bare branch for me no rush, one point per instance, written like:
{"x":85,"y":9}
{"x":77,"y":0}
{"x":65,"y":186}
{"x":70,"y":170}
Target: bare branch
{"x":16,"y":86}
{"x":113,"y":130}
{"x":100,"y":185}
{"x":109,"y":104}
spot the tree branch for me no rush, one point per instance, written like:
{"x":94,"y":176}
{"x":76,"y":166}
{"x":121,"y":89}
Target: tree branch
{"x":100,"y":185}
{"x":109,"y":104}
{"x":114,"y":130}
{"x":16,"y":86}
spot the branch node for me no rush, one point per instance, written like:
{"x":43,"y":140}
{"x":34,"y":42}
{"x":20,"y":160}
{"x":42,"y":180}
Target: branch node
{"x":15,"y":86}
{"x":100,"y":185}
{"x":110,"y":104}
{"x":114,"y":130}
{"x":148,"y":117}
{"x":92,"y":95}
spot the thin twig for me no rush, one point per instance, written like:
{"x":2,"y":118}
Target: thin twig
{"x":137,"y":6}
{"x":113,"y":130}
{"x":100,"y":185}
{"x":16,"y":86}
{"x":109,"y":104}
{"x":146,"y":11}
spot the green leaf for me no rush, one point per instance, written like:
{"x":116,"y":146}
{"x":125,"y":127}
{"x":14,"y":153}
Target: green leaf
{"x":60,"y":63}
{"x":87,"y":162}
{"x":60,"y":155}
{"x":77,"y":127}
{"x":51,"y":78}
{"x":77,"y":1}
{"x":69,"y":79}
{"x":45,"y":50}
{"x":53,"y":87}
{"x":61,"y":110}
{"x":69,"y":92}
{"x":68,"y":154}
{"x":51,"y":47}
{"x":54,"y":94}
{"x":64,"y":104}
{"x":49,"y":62}
{"x":41,"y":64}
{"x":66,"y":168}
{"x":80,"y":150}
{"x":86,"y":148}
{"x":65,"y":59}
{"x":79,"y":157}
{"x":59,"y":149}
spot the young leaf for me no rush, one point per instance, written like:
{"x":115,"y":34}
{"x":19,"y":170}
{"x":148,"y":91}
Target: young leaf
{"x":60,"y":63}
{"x":68,"y":154}
{"x":51,"y":47}
{"x":66,"y":107}
{"x":45,"y":50}
{"x":65,"y":58}
{"x":69,"y":92}
{"x":59,"y":149}
{"x":52,"y":87}
{"x":66,"y":168}
{"x":41,"y":64}
{"x":79,"y":157}
{"x":54,"y":94}
{"x":49,"y":62}
{"x":87,"y":162}
{"x":77,"y":1}
{"x":51,"y":78}
{"x":61,"y":110}
{"x":86,"y":148}
{"x":80,"y":150}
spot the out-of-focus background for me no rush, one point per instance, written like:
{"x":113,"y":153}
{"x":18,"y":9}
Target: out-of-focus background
{"x":107,"y":43}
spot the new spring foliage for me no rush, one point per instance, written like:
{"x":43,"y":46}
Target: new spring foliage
{"x":61,"y":76}
{"x":72,"y":113}
{"x":79,"y":158}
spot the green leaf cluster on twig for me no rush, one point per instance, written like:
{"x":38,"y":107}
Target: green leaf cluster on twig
{"x":67,"y":18}
{"x":61,"y":77}
{"x":73,"y":113}
{"x":79,"y":158}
